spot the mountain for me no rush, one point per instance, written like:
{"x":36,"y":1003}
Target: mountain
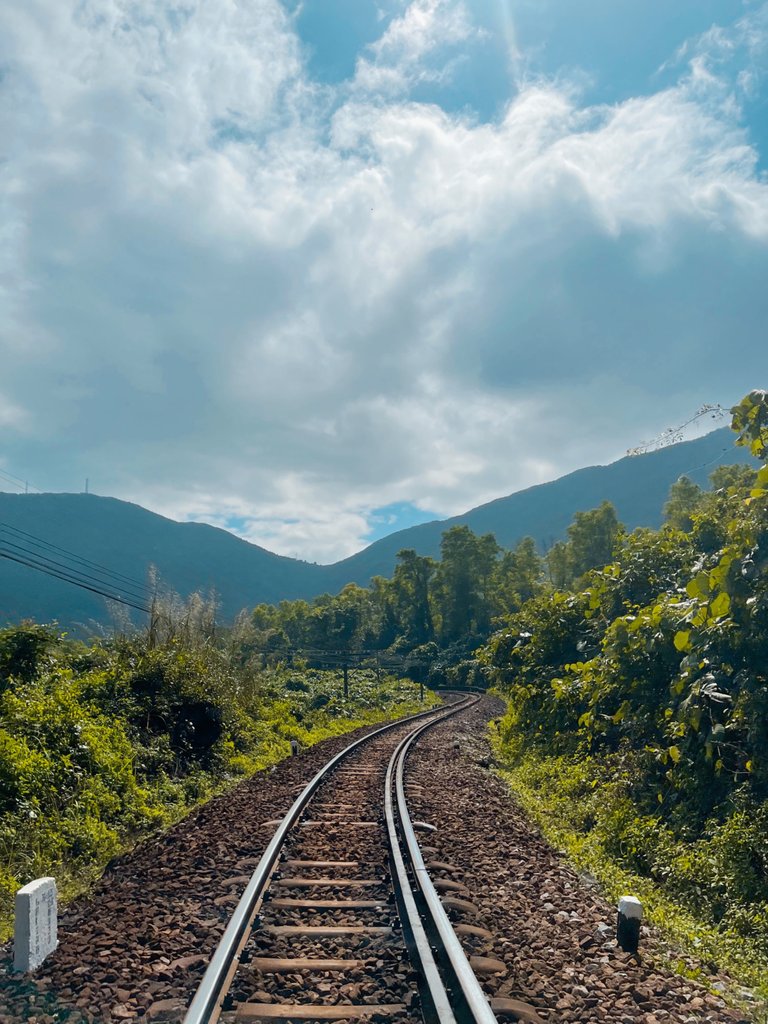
{"x":127,"y":539}
{"x":637,"y":486}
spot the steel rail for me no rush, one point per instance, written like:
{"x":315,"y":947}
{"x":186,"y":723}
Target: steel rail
{"x":437,"y":998}
{"x":212,"y":988}
{"x":476,"y":1007}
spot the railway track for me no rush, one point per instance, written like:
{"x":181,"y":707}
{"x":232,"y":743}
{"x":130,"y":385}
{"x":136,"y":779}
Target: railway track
{"x":340,"y":919}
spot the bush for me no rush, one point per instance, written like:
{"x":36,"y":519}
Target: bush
{"x":100,"y":745}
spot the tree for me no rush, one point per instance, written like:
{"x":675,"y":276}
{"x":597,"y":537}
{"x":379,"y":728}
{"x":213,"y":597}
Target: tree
{"x":559,"y":565}
{"x":684,"y":498}
{"x":410,"y":587}
{"x":592,"y":538}
{"x":337,"y":622}
{"x":517,"y":577}
{"x":739,"y":476}
{"x":462,"y":587}
{"x":384,"y":625}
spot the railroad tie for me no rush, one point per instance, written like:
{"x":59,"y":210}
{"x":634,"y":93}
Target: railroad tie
{"x":487,"y":965}
{"x":329,"y":904}
{"x":516,"y":1009}
{"x":282,"y":965}
{"x":473,"y":930}
{"x":294,"y":863}
{"x":336,"y":821}
{"x":462,"y":906}
{"x":441,"y":865}
{"x":313,"y":1011}
{"x":324,"y":931}
{"x":340,"y":883}
{"x":320,"y":821}
{"x":446,"y":885}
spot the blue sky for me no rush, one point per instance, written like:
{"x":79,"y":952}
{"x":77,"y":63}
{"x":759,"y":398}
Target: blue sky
{"x":317,"y":270}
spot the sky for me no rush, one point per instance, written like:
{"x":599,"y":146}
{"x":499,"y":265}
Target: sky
{"x":318,"y":270}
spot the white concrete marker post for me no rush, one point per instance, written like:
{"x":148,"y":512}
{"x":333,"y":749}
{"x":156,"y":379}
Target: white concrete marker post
{"x":35,"y":927}
{"x":294,"y":747}
{"x":630,"y":916}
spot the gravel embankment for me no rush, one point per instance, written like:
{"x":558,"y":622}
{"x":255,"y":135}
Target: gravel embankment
{"x":553,"y":932}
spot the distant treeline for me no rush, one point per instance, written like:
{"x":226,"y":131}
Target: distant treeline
{"x":432,"y":615}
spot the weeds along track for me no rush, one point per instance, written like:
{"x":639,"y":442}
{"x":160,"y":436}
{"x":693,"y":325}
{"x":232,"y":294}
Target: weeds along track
{"x":340,"y":920}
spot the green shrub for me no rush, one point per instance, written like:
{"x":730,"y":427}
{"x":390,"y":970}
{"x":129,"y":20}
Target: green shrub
{"x":100,"y":745}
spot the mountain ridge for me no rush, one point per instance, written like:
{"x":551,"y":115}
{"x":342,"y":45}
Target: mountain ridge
{"x":128,"y":538}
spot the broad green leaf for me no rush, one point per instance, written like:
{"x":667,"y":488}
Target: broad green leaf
{"x":674,"y":753}
{"x":683,"y":640}
{"x":720,"y":606}
{"x":699,"y":585}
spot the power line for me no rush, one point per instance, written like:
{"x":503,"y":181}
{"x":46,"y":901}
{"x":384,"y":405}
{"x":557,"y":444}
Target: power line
{"x":52,"y":563}
{"x":48,"y":570}
{"x":33,"y":541}
{"x":23,"y":485}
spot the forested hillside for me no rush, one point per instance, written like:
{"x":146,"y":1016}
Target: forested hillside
{"x":127,"y":539}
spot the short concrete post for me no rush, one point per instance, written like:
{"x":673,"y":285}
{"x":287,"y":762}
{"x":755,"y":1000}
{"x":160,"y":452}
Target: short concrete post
{"x":628,"y":922}
{"x":294,"y":747}
{"x":35,"y":925}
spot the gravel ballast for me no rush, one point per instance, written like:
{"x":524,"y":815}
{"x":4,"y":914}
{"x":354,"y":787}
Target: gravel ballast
{"x":137,"y":946}
{"x":553,"y":932}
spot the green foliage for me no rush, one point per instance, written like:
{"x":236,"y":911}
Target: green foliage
{"x":684,"y":498}
{"x":410,"y":590}
{"x":641,"y":702}
{"x":518,"y":577}
{"x":100,"y":745}
{"x":750,"y":421}
{"x":23,"y":650}
{"x":463,"y":583}
{"x":592,"y":538}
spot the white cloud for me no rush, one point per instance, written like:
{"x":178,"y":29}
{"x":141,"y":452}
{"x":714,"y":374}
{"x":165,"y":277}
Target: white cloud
{"x":398,"y":57}
{"x":232,"y":293}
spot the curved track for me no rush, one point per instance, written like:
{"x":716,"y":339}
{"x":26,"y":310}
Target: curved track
{"x":340,"y":920}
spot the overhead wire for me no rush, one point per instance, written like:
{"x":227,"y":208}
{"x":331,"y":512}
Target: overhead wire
{"x":47,"y":562}
{"x":17,"y":482}
{"x":31,"y":540}
{"x":50,"y":570}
